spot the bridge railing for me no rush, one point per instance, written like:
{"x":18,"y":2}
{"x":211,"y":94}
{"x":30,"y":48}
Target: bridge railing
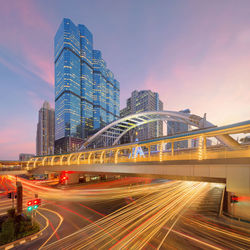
{"x":152,"y":153}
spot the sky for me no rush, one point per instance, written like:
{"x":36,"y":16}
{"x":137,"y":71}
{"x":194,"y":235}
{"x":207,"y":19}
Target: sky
{"x":195,"y":54}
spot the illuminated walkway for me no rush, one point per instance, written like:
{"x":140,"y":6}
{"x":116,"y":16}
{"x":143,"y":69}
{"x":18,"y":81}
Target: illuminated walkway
{"x":154,"y":150}
{"x":217,"y":163}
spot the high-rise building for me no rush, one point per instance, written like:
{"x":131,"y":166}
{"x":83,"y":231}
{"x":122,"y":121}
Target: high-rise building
{"x":178,"y":127}
{"x":140,"y":101}
{"x":45,"y":130}
{"x":87,"y":96}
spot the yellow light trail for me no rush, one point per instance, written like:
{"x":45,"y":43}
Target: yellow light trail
{"x":135,"y":225}
{"x":156,"y":209}
{"x":59,"y":224}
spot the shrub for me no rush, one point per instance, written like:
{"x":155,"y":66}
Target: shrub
{"x":8,"y":231}
{"x":16,"y":227}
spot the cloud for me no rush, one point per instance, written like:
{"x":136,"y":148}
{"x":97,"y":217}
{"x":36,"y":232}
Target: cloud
{"x":16,"y":136}
{"x":24,"y":31}
{"x":35,"y":99}
{"x":216,"y":83}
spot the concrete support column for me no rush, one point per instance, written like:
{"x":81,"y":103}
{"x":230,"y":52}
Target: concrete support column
{"x":104,"y":156}
{"x":116,"y":155}
{"x":172,"y":148}
{"x":204,"y":147}
{"x":89,"y":157}
{"x":101,"y":157}
{"x":200,"y":147}
{"x":149,"y":151}
{"x":160,"y":153}
{"x":228,"y":206}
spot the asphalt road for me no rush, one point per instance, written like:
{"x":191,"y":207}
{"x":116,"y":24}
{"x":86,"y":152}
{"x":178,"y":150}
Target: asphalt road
{"x":120,"y":221}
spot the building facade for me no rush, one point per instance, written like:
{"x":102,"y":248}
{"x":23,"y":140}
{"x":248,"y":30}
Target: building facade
{"x":178,"y":127}
{"x":140,"y":101}
{"x":45,"y":130}
{"x":87,"y":96}
{"x":25,"y":157}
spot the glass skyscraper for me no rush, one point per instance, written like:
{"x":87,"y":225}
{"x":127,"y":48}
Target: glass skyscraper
{"x":87,"y":96}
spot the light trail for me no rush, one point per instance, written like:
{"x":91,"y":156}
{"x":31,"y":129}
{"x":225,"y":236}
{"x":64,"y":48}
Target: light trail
{"x":218,"y":229}
{"x":142,"y":219}
{"x":55,"y":230}
{"x":157,"y":209}
{"x":49,"y":193}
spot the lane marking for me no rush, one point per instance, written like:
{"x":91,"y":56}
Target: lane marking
{"x":22,"y":241}
{"x":61,"y":220}
{"x":46,"y":219}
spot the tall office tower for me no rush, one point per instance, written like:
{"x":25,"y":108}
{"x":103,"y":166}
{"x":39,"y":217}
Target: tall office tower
{"x":178,"y":127}
{"x":87,"y":96}
{"x":45,"y":135}
{"x":140,"y":101}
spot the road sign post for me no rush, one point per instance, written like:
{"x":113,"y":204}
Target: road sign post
{"x":19,"y":197}
{"x":13,"y":197}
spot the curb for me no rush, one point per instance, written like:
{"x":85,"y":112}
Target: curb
{"x":25,"y":239}
{"x":236,"y":218}
{"x":21,"y":241}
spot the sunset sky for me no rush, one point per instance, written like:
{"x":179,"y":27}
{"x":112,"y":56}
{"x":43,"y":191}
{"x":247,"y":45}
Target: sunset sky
{"x":195,"y":54}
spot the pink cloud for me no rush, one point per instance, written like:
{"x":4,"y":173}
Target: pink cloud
{"x":23,"y":42}
{"x":218,"y":84}
{"x":35,"y":99}
{"x":16,"y":136}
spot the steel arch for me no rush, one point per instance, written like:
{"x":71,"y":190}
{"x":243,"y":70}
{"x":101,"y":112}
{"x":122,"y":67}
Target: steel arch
{"x":115,"y":130}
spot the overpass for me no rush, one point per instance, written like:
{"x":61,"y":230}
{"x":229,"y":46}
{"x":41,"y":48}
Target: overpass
{"x":12,"y":167}
{"x":220,"y":163}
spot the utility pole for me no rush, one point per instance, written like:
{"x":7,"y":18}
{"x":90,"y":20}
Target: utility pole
{"x":13,"y":197}
{"x":19,"y":197}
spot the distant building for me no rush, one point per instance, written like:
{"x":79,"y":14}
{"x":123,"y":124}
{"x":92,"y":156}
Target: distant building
{"x":45,"y":130}
{"x":245,"y":140}
{"x":87,"y":96}
{"x":178,"y":127}
{"x":25,"y":157}
{"x":140,"y":101}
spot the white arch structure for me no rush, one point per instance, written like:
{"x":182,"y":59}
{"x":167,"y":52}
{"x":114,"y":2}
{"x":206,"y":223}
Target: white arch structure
{"x":114,"y":131}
